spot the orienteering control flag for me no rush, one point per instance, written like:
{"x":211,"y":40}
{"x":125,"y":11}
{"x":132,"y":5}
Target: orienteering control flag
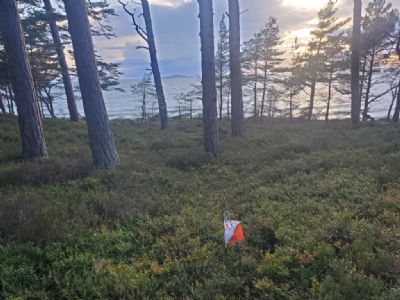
{"x":233,"y":231}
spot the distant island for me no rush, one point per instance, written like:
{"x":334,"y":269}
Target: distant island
{"x":177,"y":76}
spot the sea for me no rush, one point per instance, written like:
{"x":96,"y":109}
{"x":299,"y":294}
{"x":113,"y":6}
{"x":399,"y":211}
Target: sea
{"x":122,"y":103}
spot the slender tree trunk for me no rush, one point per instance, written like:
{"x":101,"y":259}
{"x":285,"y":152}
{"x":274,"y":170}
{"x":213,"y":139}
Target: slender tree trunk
{"x":221,"y":90}
{"x":12,"y":99}
{"x":362,"y":80}
{"x":328,"y":104}
{"x":30,"y":124}
{"x":368,"y":91}
{"x":312,"y":97}
{"x":210,"y":114}
{"x":100,"y":136}
{"x":291,"y":106}
{"x":69,"y":91}
{"x":394,"y":96}
{"x":255,"y":112}
{"x":2,"y":107}
{"x":397,"y":109}
{"x":228,"y":107}
{"x":162,"y":105}
{"x":355,"y":64}
{"x":264,"y":94}
{"x":235,"y":68}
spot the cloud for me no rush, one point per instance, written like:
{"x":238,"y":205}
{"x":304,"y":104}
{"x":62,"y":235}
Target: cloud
{"x":176,"y":27}
{"x":169,"y":3}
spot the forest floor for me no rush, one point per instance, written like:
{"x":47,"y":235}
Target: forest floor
{"x":320,"y":204}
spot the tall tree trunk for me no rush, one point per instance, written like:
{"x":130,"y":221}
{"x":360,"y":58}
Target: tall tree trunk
{"x":397,"y":109}
{"x":394,"y":96}
{"x":255,"y":112}
{"x":235,"y":68}
{"x":264,"y":94}
{"x":362,"y":79}
{"x":69,"y":91}
{"x":228,"y":106}
{"x":2,"y":107}
{"x":312,"y":98}
{"x":291,"y":105}
{"x":355,"y":64}
{"x":368,"y":91}
{"x":328,"y":104}
{"x":162,"y":105}
{"x":210,"y":114}
{"x":221,"y":90}
{"x":30,"y":124}
{"x":10,"y":103}
{"x":100,"y":136}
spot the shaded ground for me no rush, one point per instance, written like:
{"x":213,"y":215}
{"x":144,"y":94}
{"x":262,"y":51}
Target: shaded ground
{"x":320,"y":205}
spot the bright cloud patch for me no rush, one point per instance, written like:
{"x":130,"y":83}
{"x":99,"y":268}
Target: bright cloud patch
{"x":169,"y":3}
{"x":306,"y":4}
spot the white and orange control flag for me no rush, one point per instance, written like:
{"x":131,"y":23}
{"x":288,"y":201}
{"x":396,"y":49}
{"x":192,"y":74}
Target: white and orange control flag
{"x":233,"y":231}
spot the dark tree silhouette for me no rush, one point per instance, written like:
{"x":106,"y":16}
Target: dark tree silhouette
{"x":210,"y":114}
{"x":100,"y":136}
{"x":396,"y":115}
{"x":69,"y":91}
{"x":148,"y":36}
{"x":235,"y":66}
{"x":355,"y":64}
{"x":30,"y":124}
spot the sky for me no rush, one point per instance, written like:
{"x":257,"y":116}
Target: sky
{"x":176,"y":27}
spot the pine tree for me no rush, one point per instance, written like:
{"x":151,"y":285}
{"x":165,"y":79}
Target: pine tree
{"x":237,"y":114}
{"x":148,"y":36}
{"x":292,"y":81}
{"x":210,"y":114}
{"x":328,"y":25}
{"x":100,"y":136}
{"x":222,"y":64}
{"x":31,"y":129}
{"x":355,"y":63}
{"x":378,"y":27}
{"x":271,"y":58}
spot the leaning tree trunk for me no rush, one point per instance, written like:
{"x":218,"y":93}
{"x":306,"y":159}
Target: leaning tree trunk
{"x":396,"y":114}
{"x":368,"y":89}
{"x":69,"y":91}
{"x":162,"y":105}
{"x":100,"y":136}
{"x":30,"y":124}
{"x":2,"y":107}
{"x":210,"y":113}
{"x":235,"y":68}
{"x":355,"y":64}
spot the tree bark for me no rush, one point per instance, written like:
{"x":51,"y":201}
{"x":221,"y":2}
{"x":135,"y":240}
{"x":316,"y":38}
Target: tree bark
{"x":291,"y":105}
{"x":162,"y":105}
{"x":396,"y":114}
{"x":100,"y":136}
{"x":69,"y":91}
{"x":264,"y":94}
{"x":30,"y":124}
{"x":235,"y":68}
{"x":368,"y":90}
{"x":355,"y":64}
{"x":11,"y":100}
{"x":210,"y":113}
{"x":328,"y":104}
{"x":2,"y":107}
{"x":221,"y":90}
{"x":312,"y":98}
{"x":394,"y":97}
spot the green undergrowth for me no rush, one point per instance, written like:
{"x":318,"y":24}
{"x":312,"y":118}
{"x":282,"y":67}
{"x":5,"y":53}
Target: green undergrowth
{"x":320,"y":205}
